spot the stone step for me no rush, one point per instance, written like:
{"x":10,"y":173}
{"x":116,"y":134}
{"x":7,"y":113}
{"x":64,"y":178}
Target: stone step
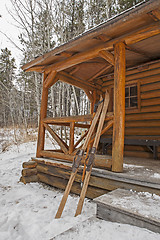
{"x":129,"y":207}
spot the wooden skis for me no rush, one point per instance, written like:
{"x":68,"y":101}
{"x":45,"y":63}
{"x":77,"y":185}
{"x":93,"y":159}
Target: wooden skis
{"x":78,"y":159}
{"x":92,"y":155}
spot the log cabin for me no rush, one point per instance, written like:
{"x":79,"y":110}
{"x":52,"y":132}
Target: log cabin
{"x":121,"y":55}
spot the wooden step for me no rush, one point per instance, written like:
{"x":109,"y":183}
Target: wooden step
{"x":129,"y":207}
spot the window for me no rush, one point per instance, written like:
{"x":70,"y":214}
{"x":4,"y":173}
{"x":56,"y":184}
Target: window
{"x":131,"y":97}
{"x":131,"y":100}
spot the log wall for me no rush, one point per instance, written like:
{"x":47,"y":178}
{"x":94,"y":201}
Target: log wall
{"x":143,"y":122}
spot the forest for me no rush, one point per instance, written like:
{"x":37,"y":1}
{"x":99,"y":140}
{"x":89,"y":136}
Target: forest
{"x":45,"y":24}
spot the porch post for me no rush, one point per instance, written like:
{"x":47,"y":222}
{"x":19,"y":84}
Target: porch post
{"x":43,"y":113}
{"x":119,"y":108}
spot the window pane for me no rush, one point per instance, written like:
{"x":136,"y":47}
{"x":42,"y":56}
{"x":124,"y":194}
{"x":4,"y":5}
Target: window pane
{"x":133,"y":91}
{"x":126,"y":92}
{"x":127,"y":102}
{"x":133,"y":102}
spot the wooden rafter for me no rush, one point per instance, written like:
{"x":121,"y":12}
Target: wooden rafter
{"x":61,"y":143}
{"x":100,"y":72}
{"x":74,"y":70}
{"x":130,"y":38}
{"x":107,"y":56}
{"x":155,"y":14}
{"x":66,"y":77}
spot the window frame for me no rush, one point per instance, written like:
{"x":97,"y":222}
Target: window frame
{"x":130,"y":109}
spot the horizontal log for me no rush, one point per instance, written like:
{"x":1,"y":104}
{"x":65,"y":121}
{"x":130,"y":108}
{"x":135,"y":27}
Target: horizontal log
{"x":144,"y":78}
{"x":99,"y":162}
{"x":65,"y":174}
{"x":142,"y":116}
{"x":150,"y":109}
{"x":78,"y":118}
{"x":150,"y":87}
{"x":61,"y":183}
{"x":57,"y":155}
{"x":150,"y":102}
{"x":29,"y":164}
{"x":150,"y":94}
{"x":29,"y":172}
{"x":33,"y":178}
{"x":150,"y":123}
{"x":154,"y":131}
{"x":79,"y":125}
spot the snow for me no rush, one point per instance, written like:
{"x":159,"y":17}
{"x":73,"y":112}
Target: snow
{"x":27,"y":211}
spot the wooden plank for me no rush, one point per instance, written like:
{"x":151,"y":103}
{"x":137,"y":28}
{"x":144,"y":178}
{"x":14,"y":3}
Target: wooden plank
{"x":119,"y":108}
{"x":43,"y":113}
{"x":71,"y":140}
{"x":50,"y":79}
{"x":67,"y":124}
{"x":108,"y":56}
{"x":60,"y":142}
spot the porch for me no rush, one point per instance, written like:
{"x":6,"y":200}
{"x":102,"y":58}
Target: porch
{"x":142,"y":175}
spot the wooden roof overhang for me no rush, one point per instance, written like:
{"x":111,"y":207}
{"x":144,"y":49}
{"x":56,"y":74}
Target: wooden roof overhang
{"x":91,"y":54}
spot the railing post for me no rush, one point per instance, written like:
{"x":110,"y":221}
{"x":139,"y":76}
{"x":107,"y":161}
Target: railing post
{"x":43,"y":113}
{"x":71,"y":140}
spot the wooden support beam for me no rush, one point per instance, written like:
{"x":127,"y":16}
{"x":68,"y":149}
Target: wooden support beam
{"x":89,"y":95}
{"x":61,"y":143}
{"x":51,"y":79}
{"x":71,"y":140}
{"x":99,"y":72}
{"x":43,"y":113}
{"x":107,"y":56}
{"x":119,"y":108}
{"x":74,"y":80}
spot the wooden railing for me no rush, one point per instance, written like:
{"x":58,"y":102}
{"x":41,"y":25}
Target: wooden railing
{"x":66,"y":151}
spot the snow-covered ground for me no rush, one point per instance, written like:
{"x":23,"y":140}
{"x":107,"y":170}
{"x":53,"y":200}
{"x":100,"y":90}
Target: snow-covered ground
{"x":27,"y":211}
